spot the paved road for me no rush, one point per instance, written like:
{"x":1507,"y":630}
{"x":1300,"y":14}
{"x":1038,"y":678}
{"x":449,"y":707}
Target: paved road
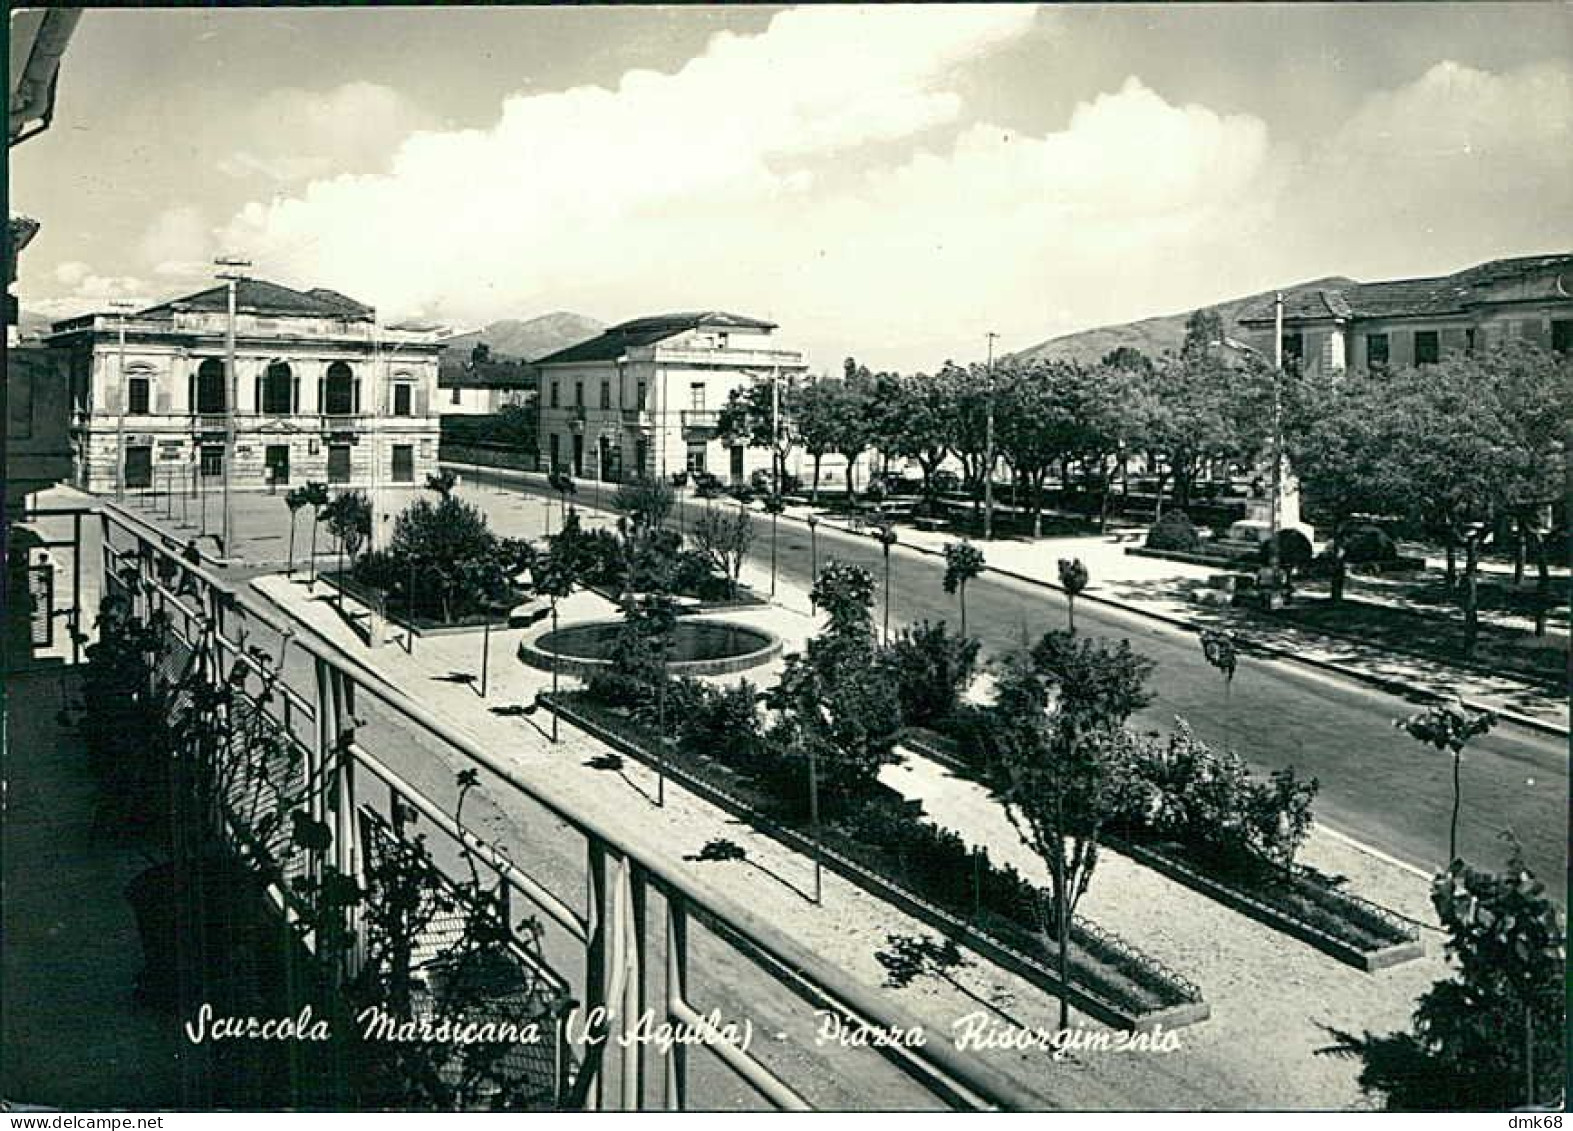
{"x":1376,"y":783}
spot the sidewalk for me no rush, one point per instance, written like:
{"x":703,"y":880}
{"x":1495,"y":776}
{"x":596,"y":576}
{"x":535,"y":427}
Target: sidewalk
{"x":1233,"y":1064}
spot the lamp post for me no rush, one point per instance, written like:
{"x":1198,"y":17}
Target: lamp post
{"x":887,"y":539}
{"x":988,"y":447}
{"x":813,"y":555}
{"x":775,"y":506}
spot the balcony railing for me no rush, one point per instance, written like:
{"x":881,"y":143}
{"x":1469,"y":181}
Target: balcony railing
{"x":628,"y":920}
{"x":700,"y":420}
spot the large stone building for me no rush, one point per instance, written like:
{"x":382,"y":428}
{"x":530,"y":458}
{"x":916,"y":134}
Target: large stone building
{"x":1404,"y":322}
{"x":323,"y":392}
{"x":645,"y":396}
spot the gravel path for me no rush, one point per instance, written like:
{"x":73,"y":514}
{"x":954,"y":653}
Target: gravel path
{"x":1268,"y":992}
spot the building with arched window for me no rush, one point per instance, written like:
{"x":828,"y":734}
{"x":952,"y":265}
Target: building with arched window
{"x":322,"y":391}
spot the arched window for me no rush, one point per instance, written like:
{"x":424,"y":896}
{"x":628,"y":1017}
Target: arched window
{"x":210,"y":387}
{"x":339,"y":391}
{"x":278,"y":390}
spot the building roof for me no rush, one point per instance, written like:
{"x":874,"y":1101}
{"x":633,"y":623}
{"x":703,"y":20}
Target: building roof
{"x":258,"y":296}
{"x":1518,"y":279}
{"x":616,"y":340}
{"x":487,"y":375}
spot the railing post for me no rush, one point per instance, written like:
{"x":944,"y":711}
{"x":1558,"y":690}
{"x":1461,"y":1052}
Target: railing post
{"x":595,"y":1004}
{"x":676,"y":991}
{"x":631,"y":883}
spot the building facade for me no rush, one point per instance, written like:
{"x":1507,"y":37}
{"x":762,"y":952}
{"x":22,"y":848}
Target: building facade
{"x":645,"y":397}
{"x":484,"y":385}
{"x":322,"y":392}
{"x":1406,"y":322}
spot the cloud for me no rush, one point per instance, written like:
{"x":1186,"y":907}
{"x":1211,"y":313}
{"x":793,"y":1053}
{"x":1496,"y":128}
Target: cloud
{"x":826,"y":174}
{"x":179,"y":242}
{"x":1476,"y":162}
{"x":293,"y":135}
{"x":88,"y":291}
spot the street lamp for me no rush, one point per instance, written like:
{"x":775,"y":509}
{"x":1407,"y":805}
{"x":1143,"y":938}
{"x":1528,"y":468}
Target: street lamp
{"x":813,"y":555}
{"x":887,"y":539}
{"x":775,"y":505}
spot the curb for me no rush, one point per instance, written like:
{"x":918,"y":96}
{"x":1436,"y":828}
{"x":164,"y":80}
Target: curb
{"x":1384,"y":683}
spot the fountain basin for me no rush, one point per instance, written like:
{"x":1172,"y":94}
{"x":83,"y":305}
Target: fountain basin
{"x":699,"y":647}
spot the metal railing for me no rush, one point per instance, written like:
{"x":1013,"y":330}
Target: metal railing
{"x":643,"y":936}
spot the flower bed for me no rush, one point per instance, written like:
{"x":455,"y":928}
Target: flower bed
{"x":928,"y":871}
{"x":1293,"y":900}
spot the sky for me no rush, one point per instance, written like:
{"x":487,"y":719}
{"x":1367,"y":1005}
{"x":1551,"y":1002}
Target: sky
{"x":891,"y":183}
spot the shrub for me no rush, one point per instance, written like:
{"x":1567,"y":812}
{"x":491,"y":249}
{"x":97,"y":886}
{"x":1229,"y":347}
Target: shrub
{"x":1369,"y":544}
{"x":721,"y":722}
{"x":1174,"y":531}
{"x":1206,"y":799}
{"x":1294,"y":551}
{"x":931,"y":669}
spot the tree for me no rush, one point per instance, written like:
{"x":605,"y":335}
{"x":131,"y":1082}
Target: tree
{"x":1449,"y":726}
{"x":348,"y":518}
{"x":724,"y":536}
{"x":919,"y":423}
{"x":761,"y":415}
{"x":1060,"y":760}
{"x":1073,"y":579}
{"x":818,"y":409}
{"x":931,"y":670}
{"x":1338,"y":437}
{"x":963,"y":562}
{"x":1492,"y":1036}
{"x":1032,"y":428}
{"x":854,"y":408}
{"x":972,"y":394}
{"x":1452,"y":458}
{"x":315,"y":495}
{"x":837,"y":707}
{"x":443,"y":482}
{"x":453,"y":549}
{"x":646,"y":501}
{"x":294,"y":499}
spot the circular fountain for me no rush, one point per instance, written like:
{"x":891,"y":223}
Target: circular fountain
{"x":699,"y":647}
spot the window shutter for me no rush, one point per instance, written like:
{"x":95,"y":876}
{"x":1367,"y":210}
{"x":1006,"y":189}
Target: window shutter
{"x":322,"y":383}
{"x":355,"y":397}
{"x":294,"y":395}
{"x":191,"y":393}
{"x":421,"y":402}
{"x":256,"y":395}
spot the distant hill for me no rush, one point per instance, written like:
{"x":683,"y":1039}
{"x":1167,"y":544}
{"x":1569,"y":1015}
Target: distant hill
{"x":527,"y":339}
{"x":1152,"y":335}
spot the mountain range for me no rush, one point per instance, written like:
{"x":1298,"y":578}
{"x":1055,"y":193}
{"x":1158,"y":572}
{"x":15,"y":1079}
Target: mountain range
{"x":1153,"y":335}
{"x":524,"y":339}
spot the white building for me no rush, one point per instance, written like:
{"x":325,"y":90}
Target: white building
{"x":322,"y":392}
{"x":645,"y":396}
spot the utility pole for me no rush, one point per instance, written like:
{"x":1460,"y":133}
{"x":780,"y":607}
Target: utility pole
{"x":121,"y":396}
{"x":232,"y":386}
{"x":1277,"y":444}
{"x":988,"y":449}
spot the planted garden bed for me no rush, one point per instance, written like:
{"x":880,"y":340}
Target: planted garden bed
{"x":1293,"y":900}
{"x":885,"y":848}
